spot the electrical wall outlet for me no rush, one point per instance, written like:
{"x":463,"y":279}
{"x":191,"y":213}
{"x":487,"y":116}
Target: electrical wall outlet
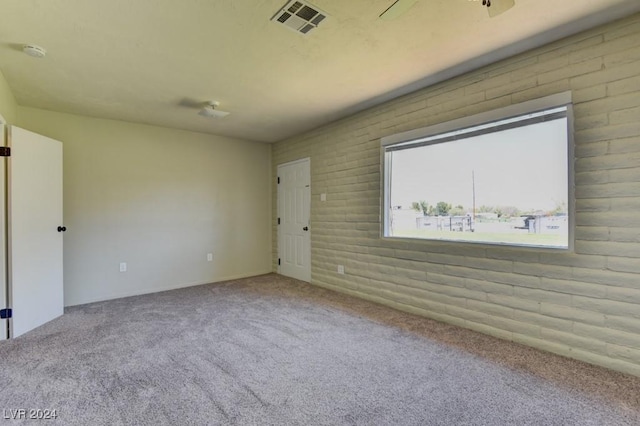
{"x":341,"y":269}
{"x":123,"y":266}
{"x":323,"y":197}
{"x":209,"y":257}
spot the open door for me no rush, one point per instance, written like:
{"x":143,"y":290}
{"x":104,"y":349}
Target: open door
{"x":35,"y":230}
{"x":4,"y":289}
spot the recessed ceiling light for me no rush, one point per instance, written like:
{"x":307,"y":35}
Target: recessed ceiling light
{"x":34,"y":51}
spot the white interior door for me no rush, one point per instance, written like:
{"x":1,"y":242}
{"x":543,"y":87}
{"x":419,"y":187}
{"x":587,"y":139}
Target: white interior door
{"x":294,"y":208}
{"x":35,"y":242}
{"x":4,"y":323}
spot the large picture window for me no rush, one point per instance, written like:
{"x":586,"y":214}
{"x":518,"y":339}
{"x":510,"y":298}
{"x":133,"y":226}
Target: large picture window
{"x":502,"y":177}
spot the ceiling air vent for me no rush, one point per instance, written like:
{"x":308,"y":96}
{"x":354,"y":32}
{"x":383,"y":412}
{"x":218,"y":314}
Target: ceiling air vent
{"x":299,"y":16}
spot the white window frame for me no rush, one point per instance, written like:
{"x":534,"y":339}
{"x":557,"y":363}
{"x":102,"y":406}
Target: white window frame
{"x":413,"y":136}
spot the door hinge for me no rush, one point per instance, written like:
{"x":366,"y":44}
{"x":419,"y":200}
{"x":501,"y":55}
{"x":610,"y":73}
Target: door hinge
{"x":5,"y":151}
{"x":6,"y":313}
{"x":278,"y":261}
{"x":278,"y":179}
{"x":278,"y":221}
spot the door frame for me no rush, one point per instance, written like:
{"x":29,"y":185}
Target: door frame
{"x":278,"y":197}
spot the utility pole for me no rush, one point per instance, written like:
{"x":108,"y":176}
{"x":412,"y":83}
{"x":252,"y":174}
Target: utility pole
{"x":473,"y":186}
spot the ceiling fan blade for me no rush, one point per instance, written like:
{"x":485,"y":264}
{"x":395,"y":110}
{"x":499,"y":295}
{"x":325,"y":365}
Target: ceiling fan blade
{"x":191,"y":103}
{"x":396,"y":9}
{"x":500,"y":6}
{"x":212,"y":112}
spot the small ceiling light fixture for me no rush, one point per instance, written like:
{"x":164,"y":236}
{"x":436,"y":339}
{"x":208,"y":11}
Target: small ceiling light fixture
{"x":210,"y":110}
{"x":34,"y":50}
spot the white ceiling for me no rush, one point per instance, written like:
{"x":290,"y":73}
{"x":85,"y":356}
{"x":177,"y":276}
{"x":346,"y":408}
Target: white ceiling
{"x":147,"y":60}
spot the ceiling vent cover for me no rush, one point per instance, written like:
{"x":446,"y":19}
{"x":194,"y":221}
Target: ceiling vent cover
{"x":299,"y":16}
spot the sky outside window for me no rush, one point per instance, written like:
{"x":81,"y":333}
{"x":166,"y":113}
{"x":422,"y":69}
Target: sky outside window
{"x":524,"y":167}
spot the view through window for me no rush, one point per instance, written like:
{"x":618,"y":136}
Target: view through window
{"x":503,"y":182}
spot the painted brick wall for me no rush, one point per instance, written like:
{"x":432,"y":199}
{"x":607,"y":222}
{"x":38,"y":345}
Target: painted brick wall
{"x":585,"y":304}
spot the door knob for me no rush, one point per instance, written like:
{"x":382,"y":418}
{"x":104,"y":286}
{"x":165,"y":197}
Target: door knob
{"x":62,"y":228}
{"x":306,"y":228}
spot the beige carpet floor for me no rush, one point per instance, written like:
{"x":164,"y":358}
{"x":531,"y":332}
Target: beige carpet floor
{"x":275,"y":351}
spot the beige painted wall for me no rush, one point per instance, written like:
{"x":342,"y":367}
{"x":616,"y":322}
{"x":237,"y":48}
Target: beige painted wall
{"x":8,"y":104}
{"x":585,"y":304}
{"x":160,"y":200}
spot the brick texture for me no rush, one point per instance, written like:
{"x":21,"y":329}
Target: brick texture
{"x":584,"y":304}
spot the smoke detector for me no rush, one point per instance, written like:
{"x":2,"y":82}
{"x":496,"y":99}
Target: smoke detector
{"x":300,"y":16}
{"x":210,"y":110}
{"x":34,"y":51}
